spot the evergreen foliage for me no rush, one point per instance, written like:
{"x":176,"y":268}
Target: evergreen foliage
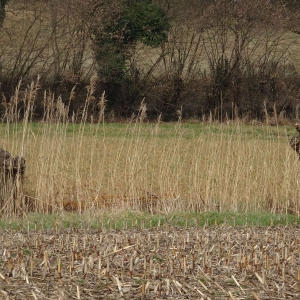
{"x":2,"y":11}
{"x":138,"y":21}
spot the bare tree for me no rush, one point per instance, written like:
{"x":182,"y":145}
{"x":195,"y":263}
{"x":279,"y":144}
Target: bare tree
{"x":47,"y":38}
{"x":242,"y":40}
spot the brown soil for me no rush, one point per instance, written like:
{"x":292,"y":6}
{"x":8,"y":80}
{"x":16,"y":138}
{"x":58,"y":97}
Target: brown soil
{"x":159,"y":263}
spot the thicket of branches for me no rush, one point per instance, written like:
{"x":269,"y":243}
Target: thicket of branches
{"x":214,"y":58}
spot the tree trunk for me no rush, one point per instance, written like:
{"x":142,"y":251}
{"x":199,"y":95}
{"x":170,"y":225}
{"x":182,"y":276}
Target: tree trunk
{"x":12,"y":171}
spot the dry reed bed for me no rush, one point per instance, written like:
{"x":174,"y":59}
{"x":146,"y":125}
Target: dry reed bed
{"x":218,"y":262}
{"x":72,"y":162}
{"x":226,"y":170}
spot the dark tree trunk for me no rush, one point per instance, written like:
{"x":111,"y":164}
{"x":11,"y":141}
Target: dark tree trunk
{"x":12,"y":171}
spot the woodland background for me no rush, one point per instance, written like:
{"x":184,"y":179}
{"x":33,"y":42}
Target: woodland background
{"x":194,"y":59}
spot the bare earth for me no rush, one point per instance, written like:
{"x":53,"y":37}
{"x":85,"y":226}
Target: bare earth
{"x":218,"y":262}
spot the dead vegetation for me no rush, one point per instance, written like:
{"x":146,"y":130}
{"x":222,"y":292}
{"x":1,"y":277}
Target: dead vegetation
{"x":77,"y":165}
{"x":164,"y":262}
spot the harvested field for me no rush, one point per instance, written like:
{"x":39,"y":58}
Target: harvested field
{"x":219,"y":262}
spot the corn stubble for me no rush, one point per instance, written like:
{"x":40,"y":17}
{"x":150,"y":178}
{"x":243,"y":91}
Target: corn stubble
{"x":76,"y":163}
{"x":156,"y":263}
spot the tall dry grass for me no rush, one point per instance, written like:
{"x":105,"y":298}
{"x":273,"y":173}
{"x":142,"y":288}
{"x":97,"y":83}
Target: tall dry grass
{"x":75,"y":164}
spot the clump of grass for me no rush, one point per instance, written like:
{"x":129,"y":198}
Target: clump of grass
{"x":160,"y":168}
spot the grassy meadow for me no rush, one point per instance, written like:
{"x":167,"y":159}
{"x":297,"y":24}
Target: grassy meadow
{"x":155,"y":167}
